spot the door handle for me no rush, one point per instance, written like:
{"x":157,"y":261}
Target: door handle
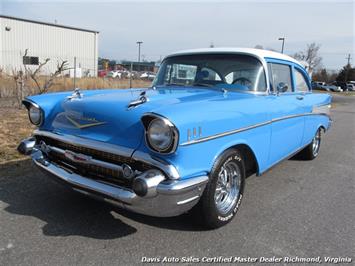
{"x":299,"y":97}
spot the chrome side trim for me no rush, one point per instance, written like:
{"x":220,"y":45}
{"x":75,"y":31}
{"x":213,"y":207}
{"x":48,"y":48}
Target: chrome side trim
{"x":231,"y":132}
{"x":227,"y":133}
{"x":322,"y":109}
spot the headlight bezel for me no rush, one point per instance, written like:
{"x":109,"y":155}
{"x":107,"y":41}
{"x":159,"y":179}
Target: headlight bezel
{"x":147,"y":121}
{"x":31,"y":105}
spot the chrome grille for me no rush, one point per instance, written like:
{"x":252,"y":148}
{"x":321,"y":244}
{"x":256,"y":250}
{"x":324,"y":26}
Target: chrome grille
{"x":88,"y":170}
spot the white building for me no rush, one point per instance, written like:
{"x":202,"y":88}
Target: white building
{"x":46,"y":40}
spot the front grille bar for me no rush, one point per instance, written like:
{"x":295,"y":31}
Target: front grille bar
{"x":89,"y":160}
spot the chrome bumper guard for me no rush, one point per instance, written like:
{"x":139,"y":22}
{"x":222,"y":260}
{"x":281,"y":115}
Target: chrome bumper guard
{"x":164,"y":197}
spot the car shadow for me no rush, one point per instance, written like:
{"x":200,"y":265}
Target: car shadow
{"x":26,"y":191}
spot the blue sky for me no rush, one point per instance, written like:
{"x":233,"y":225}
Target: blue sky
{"x":167,"y":26}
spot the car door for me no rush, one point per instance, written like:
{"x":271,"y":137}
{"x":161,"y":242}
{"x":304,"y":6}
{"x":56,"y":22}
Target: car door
{"x":286,"y":113}
{"x":308,"y":100}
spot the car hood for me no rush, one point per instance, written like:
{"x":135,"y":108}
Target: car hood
{"x":106,"y":116}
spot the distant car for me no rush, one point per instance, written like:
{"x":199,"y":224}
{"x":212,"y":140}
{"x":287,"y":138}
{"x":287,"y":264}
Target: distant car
{"x":114,"y":74}
{"x":102,"y":73}
{"x":333,"y":88}
{"x":148,"y":75}
{"x":341,"y":84}
{"x":318,"y":85}
{"x":350,"y":87}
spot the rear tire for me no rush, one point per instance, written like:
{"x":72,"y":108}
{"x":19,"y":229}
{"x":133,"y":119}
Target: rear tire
{"x":312,"y":150}
{"x":224,"y":191}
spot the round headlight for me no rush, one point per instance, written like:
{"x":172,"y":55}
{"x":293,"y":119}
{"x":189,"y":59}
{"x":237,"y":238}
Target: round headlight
{"x":35,"y":115}
{"x":160,"y":135}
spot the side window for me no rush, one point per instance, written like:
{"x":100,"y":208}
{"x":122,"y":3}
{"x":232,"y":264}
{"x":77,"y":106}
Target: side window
{"x":281,"y":74}
{"x":301,"y":84}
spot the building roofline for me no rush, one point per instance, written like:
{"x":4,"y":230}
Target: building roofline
{"x":48,"y":24}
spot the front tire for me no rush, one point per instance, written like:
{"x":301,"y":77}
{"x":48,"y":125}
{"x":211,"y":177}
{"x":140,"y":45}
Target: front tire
{"x":224,"y":192}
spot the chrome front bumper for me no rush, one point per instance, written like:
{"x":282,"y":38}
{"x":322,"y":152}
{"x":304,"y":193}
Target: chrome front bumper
{"x":166,"y":198}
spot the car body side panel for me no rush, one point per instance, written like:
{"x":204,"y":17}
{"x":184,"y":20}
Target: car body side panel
{"x":194,"y":159}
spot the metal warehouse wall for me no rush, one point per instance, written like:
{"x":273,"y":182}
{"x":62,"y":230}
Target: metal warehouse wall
{"x":46,"y":41}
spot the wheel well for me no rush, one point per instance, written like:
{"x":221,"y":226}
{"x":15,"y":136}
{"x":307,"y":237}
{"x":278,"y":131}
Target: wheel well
{"x":251,"y":165}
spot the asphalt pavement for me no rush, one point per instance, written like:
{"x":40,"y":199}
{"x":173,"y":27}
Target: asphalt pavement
{"x":299,"y":209}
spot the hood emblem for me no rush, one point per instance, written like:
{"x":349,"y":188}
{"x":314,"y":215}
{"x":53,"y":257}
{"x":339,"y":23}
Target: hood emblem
{"x":83,"y":122}
{"x":77,"y":157}
{"x":142,"y":99}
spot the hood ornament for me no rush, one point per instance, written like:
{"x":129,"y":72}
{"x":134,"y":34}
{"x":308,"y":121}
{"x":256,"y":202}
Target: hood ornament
{"x":142,"y":99}
{"x":77,"y":94}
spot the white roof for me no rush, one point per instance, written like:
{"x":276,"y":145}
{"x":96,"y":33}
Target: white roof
{"x":260,"y":53}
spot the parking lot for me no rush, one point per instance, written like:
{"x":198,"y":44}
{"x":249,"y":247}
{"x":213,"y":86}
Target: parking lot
{"x":299,"y":208}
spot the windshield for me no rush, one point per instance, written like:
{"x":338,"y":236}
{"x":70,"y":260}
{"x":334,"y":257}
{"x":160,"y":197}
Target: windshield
{"x":228,"y":71}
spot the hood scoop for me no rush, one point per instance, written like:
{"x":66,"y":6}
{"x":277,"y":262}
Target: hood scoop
{"x":141,"y":99}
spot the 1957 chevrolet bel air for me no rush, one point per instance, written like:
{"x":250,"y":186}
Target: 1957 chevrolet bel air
{"x":211,"y":118}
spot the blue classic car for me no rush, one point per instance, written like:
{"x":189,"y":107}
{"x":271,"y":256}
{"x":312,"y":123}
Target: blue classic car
{"x":211,"y":118}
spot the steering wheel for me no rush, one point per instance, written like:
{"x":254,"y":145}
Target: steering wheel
{"x":242,"y":81}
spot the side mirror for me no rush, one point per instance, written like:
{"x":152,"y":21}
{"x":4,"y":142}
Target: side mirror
{"x":282,"y":87}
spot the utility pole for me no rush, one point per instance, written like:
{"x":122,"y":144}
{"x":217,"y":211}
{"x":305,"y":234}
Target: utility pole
{"x":348,"y":58}
{"x":283,"y":44}
{"x":348,"y":66}
{"x":74,"y":83}
{"x":139,"y":54}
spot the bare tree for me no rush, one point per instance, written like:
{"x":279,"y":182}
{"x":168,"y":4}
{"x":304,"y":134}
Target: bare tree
{"x":20,"y":79}
{"x":34,"y":75}
{"x":310,"y":55}
{"x":61,"y":67}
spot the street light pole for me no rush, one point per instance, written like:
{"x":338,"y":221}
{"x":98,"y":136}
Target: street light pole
{"x":283,"y":44}
{"x":139,"y":53}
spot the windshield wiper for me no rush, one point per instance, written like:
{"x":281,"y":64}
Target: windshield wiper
{"x":202,"y":85}
{"x":173,"y":84}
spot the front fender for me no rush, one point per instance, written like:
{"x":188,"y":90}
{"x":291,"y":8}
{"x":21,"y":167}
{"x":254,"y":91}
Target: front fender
{"x":198,"y":158}
{"x":49,"y":103}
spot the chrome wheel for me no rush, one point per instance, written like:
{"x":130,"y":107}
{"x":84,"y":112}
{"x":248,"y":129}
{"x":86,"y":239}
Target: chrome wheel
{"x":228,"y":187}
{"x":316,"y":144}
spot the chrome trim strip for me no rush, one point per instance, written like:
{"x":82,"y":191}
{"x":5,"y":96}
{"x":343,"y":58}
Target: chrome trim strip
{"x":231,"y":132}
{"x":227,"y":133}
